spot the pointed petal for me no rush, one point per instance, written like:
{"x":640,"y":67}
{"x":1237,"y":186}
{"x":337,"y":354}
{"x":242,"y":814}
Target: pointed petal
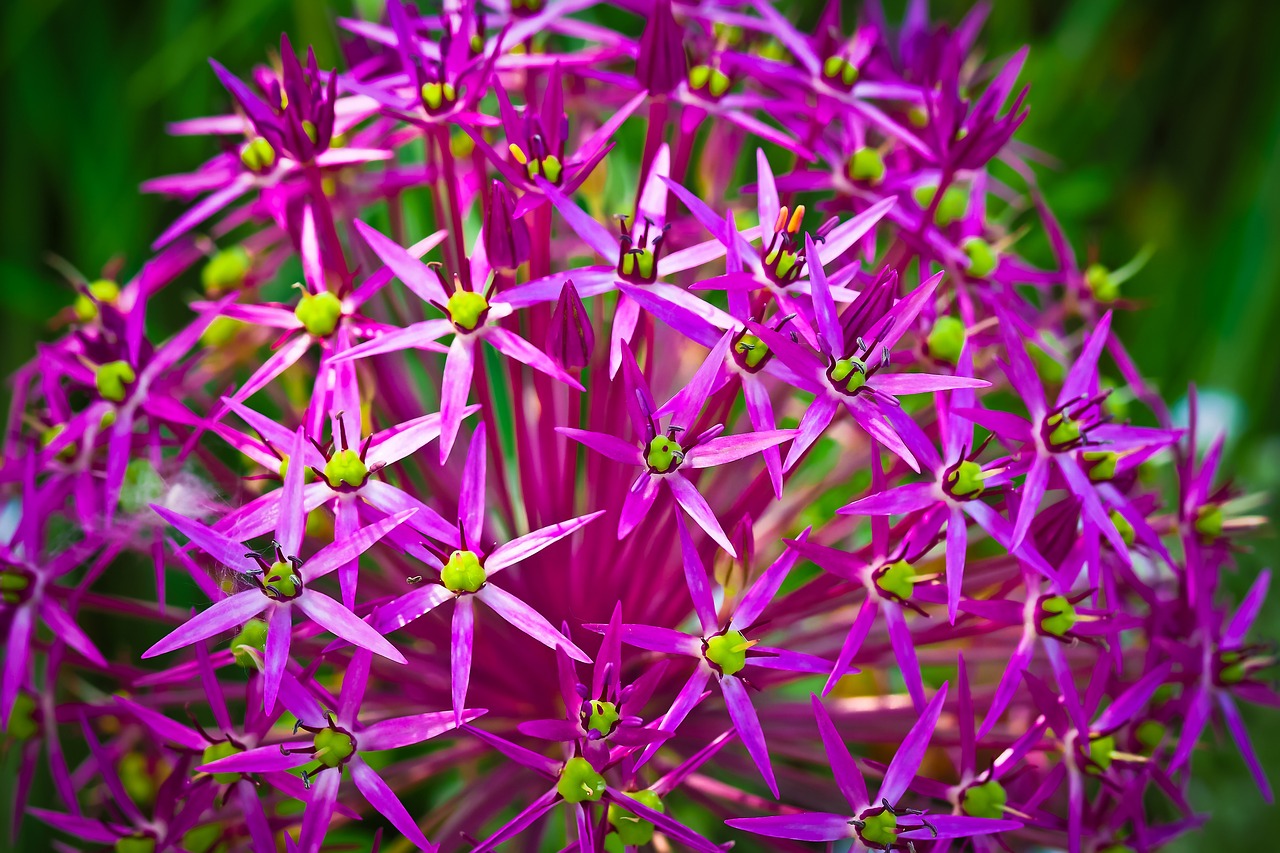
{"x":230,"y":612}
{"x":911,"y":752}
{"x":341,"y":622}
{"x":528,"y":620}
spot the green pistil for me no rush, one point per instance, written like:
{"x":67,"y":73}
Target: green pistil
{"x":604,"y":716}
{"x":986,"y":800}
{"x":954,"y":203}
{"x":50,"y":435}
{"x":664,"y":454}
{"x":982,"y":258}
{"x":638,"y":263}
{"x":252,"y":638}
{"x":1100,"y":283}
{"x":579,"y":781}
{"x":752,"y":350}
{"x":1062,"y":615}
{"x":345,"y":466}
{"x":1123,"y":527}
{"x":1233,"y":667}
{"x":437,"y":95}
{"x":466,"y":308}
{"x":867,"y":165}
{"x":14,"y":584}
{"x":850,"y":372}
{"x":1063,"y":431}
{"x":257,"y":155}
{"x":319,"y":313}
{"x":102,"y":290}
{"x":136,"y":844}
{"x":112,"y":379}
{"x":632,"y":830}
{"x":281,"y":580}
{"x":221,"y":331}
{"x":728,"y":651}
{"x":333,"y":747}
{"x":22,"y":719}
{"x":225,"y":271}
{"x":463,"y":572}
{"x":837,"y":69}
{"x":880,"y":829}
{"x":1208,"y":522}
{"x":551,"y":168}
{"x":215,"y":751}
{"x":946,"y":339}
{"x":1150,"y":733}
{"x":1102,"y":464}
{"x":713,"y":81}
{"x":897,"y":580}
{"x":918,"y":117}
{"x":1101,"y":750}
{"x":309,"y":128}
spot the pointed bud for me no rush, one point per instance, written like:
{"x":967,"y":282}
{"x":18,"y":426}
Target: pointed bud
{"x":506,"y":238}
{"x":571,"y":338}
{"x":662,"y":64}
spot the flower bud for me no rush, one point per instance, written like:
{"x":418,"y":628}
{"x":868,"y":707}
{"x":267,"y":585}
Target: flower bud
{"x":570,"y":340}
{"x":662,"y":63}
{"x":506,"y":238}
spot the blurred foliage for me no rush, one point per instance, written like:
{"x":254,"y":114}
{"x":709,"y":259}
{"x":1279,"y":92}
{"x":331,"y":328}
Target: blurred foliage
{"x":1164,"y":119}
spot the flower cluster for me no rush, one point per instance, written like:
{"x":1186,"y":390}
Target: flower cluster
{"x":614,"y":429}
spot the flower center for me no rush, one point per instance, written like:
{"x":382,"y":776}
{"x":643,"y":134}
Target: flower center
{"x":112,"y":380}
{"x":866,"y":165}
{"x":346,"y":467}
{"x":438,"y":97}
{"x":1100,"y":283}
{"x":1101,"y":753}
{"x":1101,"y":464}
{"x":946,"y":339}
{"x":548,"y":166}
{"x":1063,"y":431}
{"x":983,"y":259}
{"x":709,"y":81}
{"x":1056,"y":615}
{"x":319,"y":313}
{"x":952,"y":206}
{"x":467,"y":309}
{"x":1236,"y":666}
{"x":750,"y":352}
{"x":257,"y":155}
{"x":249,"y":645}
{"x":601,"y":716}
{"x":225,"y":271}
{"x":1208,"y":523}
{"x":1149,"y":734}
{"x":579,"y":781}
{"x":633,"y":831}
{"x":102,"y":290}
{"x":664,"y":454}
{"x":879,"y":828}
{"x":15,"y":584}
{"x":848,"y":375}
{"x":463,"y":572}
{"x":839,"y":72}
{"x":281,"y":581}
{"x":333,"y":746}
{"x":221,"y":749}
{"x":986,"y":800}
{"x":784,"y":261}
{"x":638,"y":255}
{"x":964,"y":481}
{"x":727,"y":652}
{"x":896,"y":581}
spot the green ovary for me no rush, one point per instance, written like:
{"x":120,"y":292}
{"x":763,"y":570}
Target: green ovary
{"x":946,"y":339}
{"x":966,"y":480}
{"x":225,"y":271}
{"x":102,"y":290}
{"x":952,"y":206}
{"x":632,"y":830}
{"x":257,"y":155}
{"x":333,"y":747}
{"x":463,"y":572}
{"x":898,"y":580}
{"x":664,"y":454}
{"x":347,"y":467}
{"x":215,"y":751}
{"x":112,"y":380}
{"x":1102,"y":464}
{"x":752,"y":350}
{"x":837,"y":68}
{"x":466,"y":307}
{"x":319,"y":313}
{"x":1123,"y":527}
{"x":850,"y":372}
{"x":1063,"y":431}
{"x":281,"y":580}
{"x":1100,"y":753}
{"x":253,"y":636}
{"x":986,"y":800}
{"x":136,"y":844}
{"x":436,"y":95}
{"x":1100,"y":283}
{"x":13,"y":584}
{"x":1062,"y":615}
{"x":1150,"y":733}
{"x":880,"y":830}
{"x":1208,"y":521}
{"x":866,"y":164}
{"x":604,"y":716}
{"x":728,"y":651}
{"x":983,"y":259}
{"x":579,"y":782}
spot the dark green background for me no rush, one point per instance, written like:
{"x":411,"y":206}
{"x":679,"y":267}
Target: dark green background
{"x":1165,"y":117}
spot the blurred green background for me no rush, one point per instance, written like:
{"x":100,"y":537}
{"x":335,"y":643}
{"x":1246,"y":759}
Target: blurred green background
{"x":1164,"y":116}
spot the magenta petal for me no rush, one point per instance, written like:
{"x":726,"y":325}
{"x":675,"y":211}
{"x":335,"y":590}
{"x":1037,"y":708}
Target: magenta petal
{"x":385,"y":802}
{"x":162,"y":726}
{"x":816,"y":419}
{"x":352,"y":546}
{"x":757,"y":598}
{"x":229,"y":552}
{"x":456,"y":387}
{"x":959,"y":826}
{"x":658,"y":639}
{"x":686,"y":700}
{"x":895,"y":501}
{"x":341,"y":622}
{"x":514,"y":346}
{"x":66,"y":630}
{"x":957,"y":545}
{"x":695,"y":574}
{"x":405,"y":731}
{"x":393,"y":501}
{"x":743,"y":714}
{"x":640,"y":498}
{"x":1247,"y":612}
{"x":605,"y":444}
{"x":696,"y":505}
{"x":528,"y":620}
{"x":911,"y":751}
{"x":1032,"y":493}
{"x":1240,"y":734}
{"x":409,"y":606}
{"x":279,"y":638}
{"x":231,"y":612}
{"x":848,"y":778}
{"x":807,"y":826}
{"x":251,"y":808}
{"x":82,"y":828}
{"x":319,"y":811}
{"x":262,"y":759}
{"x":560,"y":730}
{"x":510,"y":553}
{"x":729,"y":448}
{"x":415,"y":274}
{"x":460,"y":647}
{"x":471,"y":499}
{"x":852,"y":642}
{"x":699,"y":386}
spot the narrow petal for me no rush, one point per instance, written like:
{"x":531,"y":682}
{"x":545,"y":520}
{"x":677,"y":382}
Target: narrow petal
{"x":228,"y":552}
{"x":352,"y":546}
{"x":293,"y":517}
{"x":896,"y":501}
{"x":385,"y":802}
{"x":409,"y":607}
{"x":730,"y":448}
{"x":510,"y":553}
{"x":743,"y":714}
{"x":415,"y":274}
{"x":603,"y":443}
{"x":695,"y":574}
{"x":848,"y":778}
{"x":696,"y":505}
{"x":910,"y":753}
{"x":461,"y":642}
{"x":807,"y":826}
{"x":511,"y":344}
{"x":406,"y":731}
{"x":279,"y":638}
{"x":319,"y":811}
{"x":230,"y":612}
{"x":455,"y":388}
{"x":341,"y":622}
{"x":528,"y":620}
